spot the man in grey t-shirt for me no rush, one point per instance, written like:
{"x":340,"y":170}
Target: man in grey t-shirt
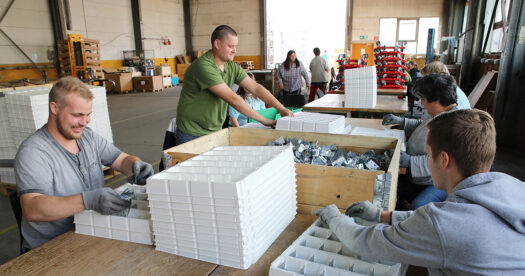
{"x":319,"y":68}
{"x":58,"y":169}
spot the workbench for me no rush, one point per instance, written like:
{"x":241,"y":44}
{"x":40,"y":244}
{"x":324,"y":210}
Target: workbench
{"x":73,"y":253}
{"x":383,"y":91}
{"x":333,"y":103}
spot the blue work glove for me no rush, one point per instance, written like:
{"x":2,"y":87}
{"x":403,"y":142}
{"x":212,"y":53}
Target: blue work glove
{"x":105,"y":201}
{"x":328,"y":213}
{"x":141,"y":171}
{"x":404,"y":160}
{"x":391,"y":119}
{"x":364,"y":210}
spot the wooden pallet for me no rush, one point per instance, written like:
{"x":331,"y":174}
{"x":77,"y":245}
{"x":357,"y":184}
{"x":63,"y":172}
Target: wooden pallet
{"x":144,"y":90}
{"x":6,"y":188}
{"x":109,"y":173}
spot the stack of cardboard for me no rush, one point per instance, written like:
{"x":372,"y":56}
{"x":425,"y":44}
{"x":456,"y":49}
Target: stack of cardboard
{"x":122,"y":80}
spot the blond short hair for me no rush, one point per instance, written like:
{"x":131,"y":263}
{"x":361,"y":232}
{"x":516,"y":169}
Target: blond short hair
{"x":66,"y":86}
{"x":435,"y":67}
{"x":468,"y":135}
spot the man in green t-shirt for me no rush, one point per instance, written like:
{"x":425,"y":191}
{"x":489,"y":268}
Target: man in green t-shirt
{"x":206,"y":93}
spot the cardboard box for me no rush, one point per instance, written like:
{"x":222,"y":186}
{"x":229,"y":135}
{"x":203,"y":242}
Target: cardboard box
{"x":147,"y":84}
{"x":181,"y":69}
{"x":122,"y":81}
{"x":317,"y":186}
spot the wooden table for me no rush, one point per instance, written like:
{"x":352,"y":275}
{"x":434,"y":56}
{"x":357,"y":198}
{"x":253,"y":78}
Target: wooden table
{"x":383,"y":91}
{"x":73,"y":253}
{"x":333,"y":103}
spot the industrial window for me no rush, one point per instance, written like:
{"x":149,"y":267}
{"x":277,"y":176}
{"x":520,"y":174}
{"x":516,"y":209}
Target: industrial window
{"x":301,"y":25}
{"x":412,"y":30}
{"x":493,"y":34}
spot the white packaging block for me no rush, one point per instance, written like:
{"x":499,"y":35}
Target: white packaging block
{"x":318,"y":252}
{"x":27,"y":110}
{"x":312,"y":122}
{"x":361,"y":87}
{"x":225,"y":206}
{"x":389,"y":133}
{"x":136,"y":227}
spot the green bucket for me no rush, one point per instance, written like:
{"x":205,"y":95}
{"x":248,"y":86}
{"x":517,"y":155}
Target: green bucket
{"x":272,"y":113}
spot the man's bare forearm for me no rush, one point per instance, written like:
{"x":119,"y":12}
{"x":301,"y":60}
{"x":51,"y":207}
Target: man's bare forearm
{"x":39,"y":207}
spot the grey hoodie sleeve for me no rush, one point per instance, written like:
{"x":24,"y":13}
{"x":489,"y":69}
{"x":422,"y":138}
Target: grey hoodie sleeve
{"x":412,"y":241}
{"x":410,"y":125}
{"x":419,"y":166}
{"x":399,"y":216}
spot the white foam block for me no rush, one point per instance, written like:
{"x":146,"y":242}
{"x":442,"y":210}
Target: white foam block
{"x":312,"y":122}
{"x":224,"y":206}
{"x":361,"y":87}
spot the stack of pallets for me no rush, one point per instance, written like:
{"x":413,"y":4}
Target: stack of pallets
{"x":79,"y":57}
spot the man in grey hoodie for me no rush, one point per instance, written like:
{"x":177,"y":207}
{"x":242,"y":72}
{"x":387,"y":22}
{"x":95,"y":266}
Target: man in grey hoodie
{"x":479,"y":229}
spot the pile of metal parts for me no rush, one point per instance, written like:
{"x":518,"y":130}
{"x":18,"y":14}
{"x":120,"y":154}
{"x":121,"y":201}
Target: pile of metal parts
{"x":307,"y":152}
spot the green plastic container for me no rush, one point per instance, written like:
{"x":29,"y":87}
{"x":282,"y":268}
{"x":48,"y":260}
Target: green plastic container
{"x":272,"y":113}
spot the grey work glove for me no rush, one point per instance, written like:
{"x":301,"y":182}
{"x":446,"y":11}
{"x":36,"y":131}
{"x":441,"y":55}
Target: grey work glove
{"x":391,"y":119}
{"x":364,"y":210}
{"x":104,"y":200}
{"x":141,"y":171}
{"x":404,"y":160}
{"x":328,"y":213}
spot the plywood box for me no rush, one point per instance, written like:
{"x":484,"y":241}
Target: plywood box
{"x":147,"y":84}
{"x":317,"y":186}
{"x":122,"y":82}
{"x":164,"y":71}
{"x":181,"y":69}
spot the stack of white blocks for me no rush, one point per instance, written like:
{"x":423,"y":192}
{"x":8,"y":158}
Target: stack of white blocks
{"x":28,"y":110}
{"x":361,"y":87}
{"x":312,"y":122}
{"x":225,"y":206}
{"x":7,"y":147}
{"x":136,"y":227}
{"x":318,"y":252}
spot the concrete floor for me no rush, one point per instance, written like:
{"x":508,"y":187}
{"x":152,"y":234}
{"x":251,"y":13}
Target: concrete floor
{"x":139,"y":122}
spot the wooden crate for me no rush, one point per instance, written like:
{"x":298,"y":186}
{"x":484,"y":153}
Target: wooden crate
{"x":181,"y":69}
{"x":122,"y":81}
{"x":317,"y":186}
{"x":7,"y":188}
{"x":147,"y":84}
{"x":109,"y":173}
{"x":164,"y":71}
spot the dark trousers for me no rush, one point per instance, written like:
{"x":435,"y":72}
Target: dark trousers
{"x":295,"y":92}
{"x":181,"y":137}
{"x":313,"y":89}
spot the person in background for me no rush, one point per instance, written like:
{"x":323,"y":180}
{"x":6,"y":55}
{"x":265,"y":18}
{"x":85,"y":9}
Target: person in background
{"x":319,"y":69}
{"x":413,"y":71}
{"x":237,"y":119}
{"x":438,"y":94}
{"x":478,"y":230}
{"x":439,"y":67}
{"x":207,"y":90}
{"x":326,"y":56}
{"x":290,"y":73}
{"x":58,"y":168}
